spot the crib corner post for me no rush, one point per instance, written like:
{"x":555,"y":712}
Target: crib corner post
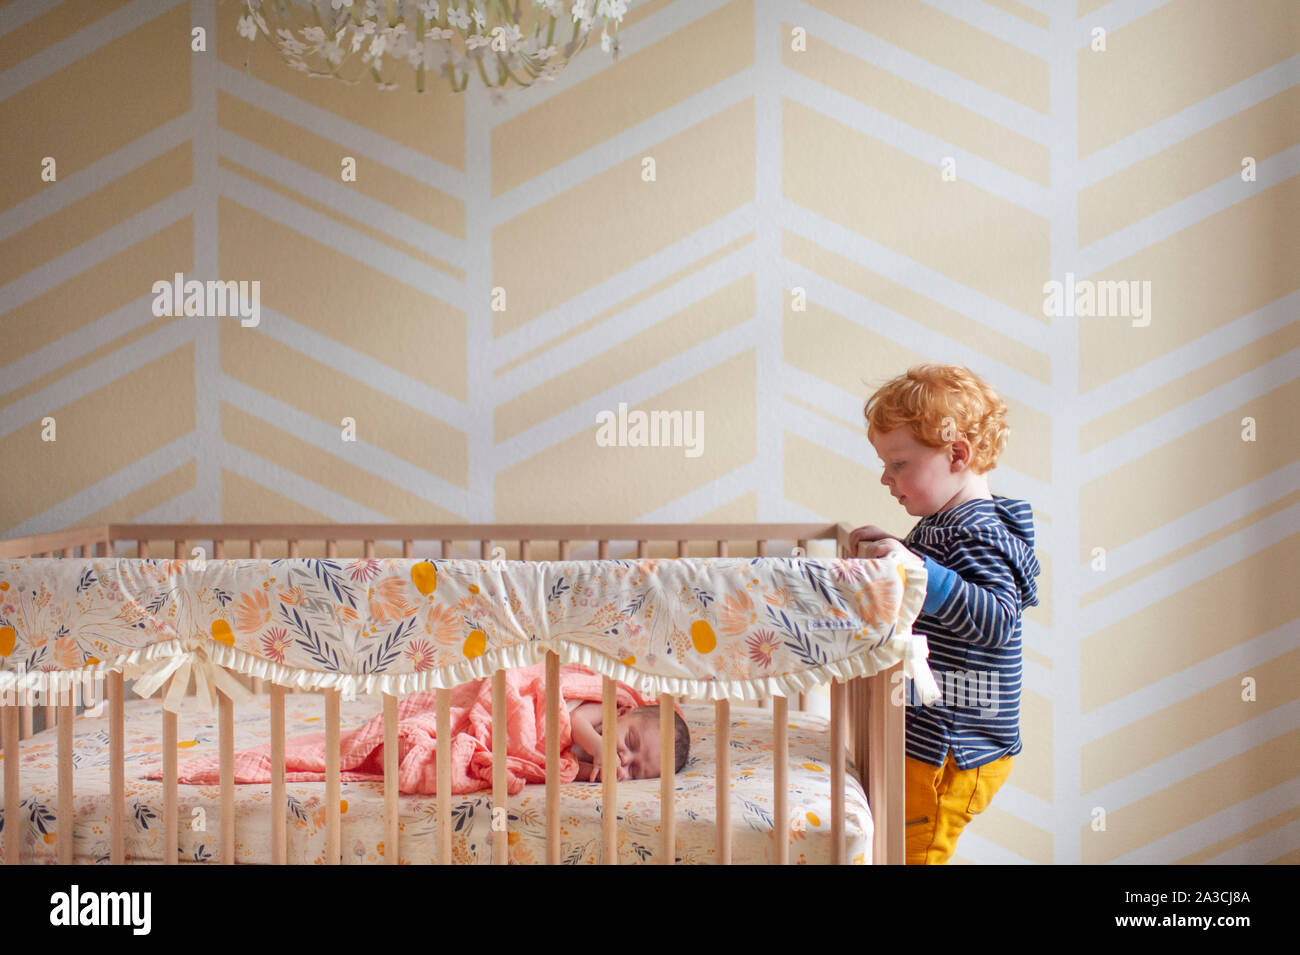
{"x":884,"y":774}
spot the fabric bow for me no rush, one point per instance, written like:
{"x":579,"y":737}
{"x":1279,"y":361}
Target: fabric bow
{"x":918,"y":671}
{"x":208,"y":678}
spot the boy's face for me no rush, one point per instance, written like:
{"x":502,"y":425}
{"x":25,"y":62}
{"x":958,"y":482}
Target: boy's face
{"x":922,"y":479}
{"x":638,"y":746}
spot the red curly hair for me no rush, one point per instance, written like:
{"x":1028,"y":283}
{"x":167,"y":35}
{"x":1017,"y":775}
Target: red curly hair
{"x":941,"y":403}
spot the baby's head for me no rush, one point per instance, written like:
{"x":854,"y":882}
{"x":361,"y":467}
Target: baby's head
{"x":934,"y":427}
{"x":638,"y":742}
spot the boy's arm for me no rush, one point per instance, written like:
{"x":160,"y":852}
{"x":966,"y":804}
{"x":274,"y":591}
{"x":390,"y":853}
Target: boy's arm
{"x":975,"y":596}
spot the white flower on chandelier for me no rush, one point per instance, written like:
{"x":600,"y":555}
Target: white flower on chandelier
{"x":582,"y":10}
{"x":332,"y":52}
{"x":459,"y":18}
{"x":290,"y":43}
{"x":429,"y":10}
{"x":247,"y":28}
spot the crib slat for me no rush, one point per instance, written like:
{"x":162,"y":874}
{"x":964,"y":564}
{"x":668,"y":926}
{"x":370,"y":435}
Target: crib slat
{"x":25,"y":721}
{"x":722,"y":782}
{"x":333,"y":789}
{"x":67,"y":821}
{"x":390,"y":779}
{"x":443,"y":704}
{"x":609,"y":780}
{"x":116,"y":769}
{"x":226,"y":742}
{"x":552,"y":758}
{"x":13,"y":831}
{"x":171,"y":835}
{"x":279,"y":802}
{"x":500,"y":801}
{"x":780,"y":781}
{"x":667,"y":779}
{"x":839,"y":717}
{"x":255,"y":552}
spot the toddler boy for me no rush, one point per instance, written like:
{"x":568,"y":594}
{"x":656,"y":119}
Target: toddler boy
{"x":938,"y":429}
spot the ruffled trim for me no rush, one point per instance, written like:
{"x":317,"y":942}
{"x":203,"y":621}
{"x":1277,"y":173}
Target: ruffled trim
{"x":867,"y":662}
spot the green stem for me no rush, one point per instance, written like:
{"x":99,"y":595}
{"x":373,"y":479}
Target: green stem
{"x":502,"y":60}
{"x":481,"y":72}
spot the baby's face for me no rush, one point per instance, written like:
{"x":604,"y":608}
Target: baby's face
{"x":638,"y":746}
{"x":921,"y":479}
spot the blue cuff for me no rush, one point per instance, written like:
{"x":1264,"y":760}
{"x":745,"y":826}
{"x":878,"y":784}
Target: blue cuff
{"x":939,"y":583}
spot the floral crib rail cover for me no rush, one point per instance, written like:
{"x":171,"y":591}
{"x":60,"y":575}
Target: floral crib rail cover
{"x":704,"y":628}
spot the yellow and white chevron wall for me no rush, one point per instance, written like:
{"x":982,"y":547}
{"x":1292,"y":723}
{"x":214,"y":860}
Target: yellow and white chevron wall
{"x":754,"y":215}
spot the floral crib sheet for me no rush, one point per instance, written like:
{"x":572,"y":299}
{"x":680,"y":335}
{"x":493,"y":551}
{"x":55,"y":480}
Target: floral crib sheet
{"x":363,"y":827}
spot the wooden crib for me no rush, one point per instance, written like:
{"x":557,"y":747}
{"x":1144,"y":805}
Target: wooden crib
{"x":861,"y":715}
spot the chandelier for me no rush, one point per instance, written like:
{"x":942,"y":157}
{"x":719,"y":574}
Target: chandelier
{"x":343,"y":39}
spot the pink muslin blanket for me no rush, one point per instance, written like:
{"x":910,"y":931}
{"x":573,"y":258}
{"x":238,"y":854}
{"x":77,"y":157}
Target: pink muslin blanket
{"x":362,"y":749}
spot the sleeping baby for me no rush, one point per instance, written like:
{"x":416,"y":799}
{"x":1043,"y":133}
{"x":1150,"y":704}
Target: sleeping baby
{"x":638,"y":741}
{"x":361,"y":750}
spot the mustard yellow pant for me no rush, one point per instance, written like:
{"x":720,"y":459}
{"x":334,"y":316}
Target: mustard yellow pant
{"x":941,"y":800}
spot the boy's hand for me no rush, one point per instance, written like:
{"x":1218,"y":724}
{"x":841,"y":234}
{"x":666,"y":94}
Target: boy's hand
{"x":885,"y":547}
{"x":868,"y":533}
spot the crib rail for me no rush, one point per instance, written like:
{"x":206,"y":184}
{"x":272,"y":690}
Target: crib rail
{"x":862,"y":717}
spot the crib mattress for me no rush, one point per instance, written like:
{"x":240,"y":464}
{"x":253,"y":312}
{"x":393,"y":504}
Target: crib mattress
{"x":362,"y":820}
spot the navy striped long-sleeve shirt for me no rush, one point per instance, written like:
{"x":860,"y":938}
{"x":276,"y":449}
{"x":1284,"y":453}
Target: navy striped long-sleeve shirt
{"x":981,"y":564}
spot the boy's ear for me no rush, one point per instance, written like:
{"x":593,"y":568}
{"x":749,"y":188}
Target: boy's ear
{"x":959,"y":456}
